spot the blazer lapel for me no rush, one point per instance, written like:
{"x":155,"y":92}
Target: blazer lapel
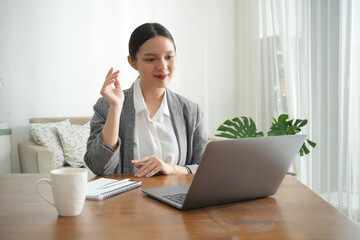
{"x":178,"y":122}
{"x":127,"y":127}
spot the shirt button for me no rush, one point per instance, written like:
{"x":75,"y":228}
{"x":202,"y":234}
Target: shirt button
{"x":156,"y":141}
{"x":151,"y":123}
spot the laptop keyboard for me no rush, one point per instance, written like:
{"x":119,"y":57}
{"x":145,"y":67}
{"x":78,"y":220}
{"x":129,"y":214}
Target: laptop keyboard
{"x":178,"y":197}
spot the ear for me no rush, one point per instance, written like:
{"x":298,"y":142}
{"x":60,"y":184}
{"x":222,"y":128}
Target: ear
{"x":132,"y":63}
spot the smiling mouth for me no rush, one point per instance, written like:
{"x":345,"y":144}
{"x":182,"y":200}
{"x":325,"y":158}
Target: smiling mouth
{"x":161,"y":77}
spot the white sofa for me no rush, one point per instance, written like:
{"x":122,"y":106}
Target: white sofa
{"x":37,"y":159}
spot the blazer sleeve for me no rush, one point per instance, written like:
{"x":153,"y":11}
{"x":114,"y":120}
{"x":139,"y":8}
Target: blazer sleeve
{"x":199,"y":140}
{"x":100,"y":158}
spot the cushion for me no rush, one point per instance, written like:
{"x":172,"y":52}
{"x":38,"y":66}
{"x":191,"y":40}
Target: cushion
{"x":45,"y":135}
{"x":73,"y":139}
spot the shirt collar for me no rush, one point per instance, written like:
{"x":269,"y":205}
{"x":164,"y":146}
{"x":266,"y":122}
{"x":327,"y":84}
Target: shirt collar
{"x":165,"y":103}
{"x":139,"y":102}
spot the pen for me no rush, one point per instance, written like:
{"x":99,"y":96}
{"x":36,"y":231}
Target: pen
{"x":115,"y":183}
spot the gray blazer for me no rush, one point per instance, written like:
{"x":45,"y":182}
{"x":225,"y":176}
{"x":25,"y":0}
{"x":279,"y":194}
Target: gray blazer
{"x":188,"y":125}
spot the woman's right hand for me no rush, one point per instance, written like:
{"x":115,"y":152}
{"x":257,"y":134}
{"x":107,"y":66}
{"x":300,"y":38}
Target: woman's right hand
{"x":114,"y":96}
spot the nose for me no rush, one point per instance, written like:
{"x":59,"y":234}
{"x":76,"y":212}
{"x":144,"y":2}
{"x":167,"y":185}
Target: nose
{"x":161,"y":65}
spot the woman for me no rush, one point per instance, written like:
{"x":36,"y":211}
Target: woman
{"x":161,"y":130}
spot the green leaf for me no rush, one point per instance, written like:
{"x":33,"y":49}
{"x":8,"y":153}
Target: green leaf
{"x":244,"y":127}
{"x":312,"y":144}
{"x":225,"y":135}
{"x":246,"y":121}
{"x":231,"y":124}
{"x":239,"y":128}
{"x":297,"y":121}
{"x":279,"y":127}
{"x":283,"y":117}
{"x":276,"y":132}
{"x":223,"y":128}
{"x":241,"y":131}
{"x":259,"y":134}
{"x":252,"y":126}
{"x":301,"y":152}
{"x":304,"y":149}
{"x":291,"y":130}
{"x":303,"y":123}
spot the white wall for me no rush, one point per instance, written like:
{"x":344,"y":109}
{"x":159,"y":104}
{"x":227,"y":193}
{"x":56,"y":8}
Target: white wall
{"x":54,"y":55}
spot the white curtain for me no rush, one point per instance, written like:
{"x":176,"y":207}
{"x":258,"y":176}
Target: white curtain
{"x":302,"y":57}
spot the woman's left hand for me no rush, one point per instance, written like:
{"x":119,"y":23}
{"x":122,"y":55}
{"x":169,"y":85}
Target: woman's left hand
{"x":151,"y":165}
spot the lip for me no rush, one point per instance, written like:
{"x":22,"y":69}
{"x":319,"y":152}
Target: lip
{"x":161,"y":77}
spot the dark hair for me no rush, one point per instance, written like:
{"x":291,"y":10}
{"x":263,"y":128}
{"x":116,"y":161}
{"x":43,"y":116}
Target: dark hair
{"x":145,"y":32}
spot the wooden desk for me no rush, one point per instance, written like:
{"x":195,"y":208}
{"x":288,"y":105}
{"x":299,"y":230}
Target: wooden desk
{"x":295,"y":212}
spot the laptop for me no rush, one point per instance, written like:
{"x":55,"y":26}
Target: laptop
{"x":234,"y":170}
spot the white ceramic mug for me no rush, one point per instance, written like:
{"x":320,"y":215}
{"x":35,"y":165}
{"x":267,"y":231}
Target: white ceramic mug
{"x":68,"y":187}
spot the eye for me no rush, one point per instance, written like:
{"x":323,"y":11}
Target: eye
{"x":170,"y":57}
{"x":150,"y":59}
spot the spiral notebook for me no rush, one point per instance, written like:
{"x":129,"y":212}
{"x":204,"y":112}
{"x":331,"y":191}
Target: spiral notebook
{"x":95,"y":190}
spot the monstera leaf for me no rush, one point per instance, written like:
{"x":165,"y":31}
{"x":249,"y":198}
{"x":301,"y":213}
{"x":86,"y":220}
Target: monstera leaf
{"x":283,"y":126}
{"x":239,"y":128}
{"x":245,"y":128}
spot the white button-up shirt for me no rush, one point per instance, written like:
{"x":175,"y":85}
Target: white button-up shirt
{"x":154,"y":136}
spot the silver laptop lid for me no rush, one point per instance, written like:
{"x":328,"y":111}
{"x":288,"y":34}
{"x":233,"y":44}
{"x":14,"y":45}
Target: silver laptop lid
{"x":240,"y":169}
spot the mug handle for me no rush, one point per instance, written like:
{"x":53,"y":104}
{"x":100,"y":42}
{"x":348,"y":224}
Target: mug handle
{"x":47,"y":180}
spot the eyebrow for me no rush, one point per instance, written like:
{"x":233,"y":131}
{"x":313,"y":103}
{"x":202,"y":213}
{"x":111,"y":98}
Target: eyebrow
{"x":153,"y":54}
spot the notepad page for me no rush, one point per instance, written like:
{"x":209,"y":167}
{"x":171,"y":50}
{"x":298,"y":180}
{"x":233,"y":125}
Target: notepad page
{"x":94,"y":188}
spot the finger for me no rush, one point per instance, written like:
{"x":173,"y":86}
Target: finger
{"x":117,"y":83}
{"x":110,"y":71}
{"x":107,"y":86}
{"x":145,"y":169}
{"x":138,"y":165}
{"x":146,"y":163}
{"x":141,"y":160}
{"x":113,"y":79}
{"x":154,"y":171}
{"x":142,"y":171}
{"x":109,"y":81}
{"x":113,"y":75}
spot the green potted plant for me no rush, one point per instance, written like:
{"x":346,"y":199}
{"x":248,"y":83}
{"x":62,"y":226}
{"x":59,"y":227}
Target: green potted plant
{"x":245,"y":127}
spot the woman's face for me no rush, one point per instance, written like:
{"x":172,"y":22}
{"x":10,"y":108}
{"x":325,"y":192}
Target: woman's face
{"x":155,"y":62}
